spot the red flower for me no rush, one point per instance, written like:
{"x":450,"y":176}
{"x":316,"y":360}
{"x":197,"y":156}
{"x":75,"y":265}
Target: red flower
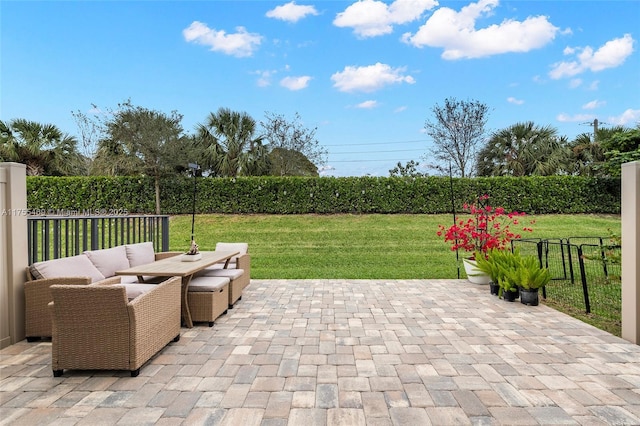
{"x":487,"y":228}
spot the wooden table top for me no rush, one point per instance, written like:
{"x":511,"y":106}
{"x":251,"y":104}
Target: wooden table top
{"x":175,"y":267}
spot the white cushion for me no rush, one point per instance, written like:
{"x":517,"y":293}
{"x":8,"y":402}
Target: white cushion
{"x":108,"y":261}
{"x":74,"y":266}
{"x":243,"y":248}
{"x":136,"y":289}
{"x":140,"y":254}
{"x":229,"y":273}
{"x":132,"y":279}
{"x":207,"y":284}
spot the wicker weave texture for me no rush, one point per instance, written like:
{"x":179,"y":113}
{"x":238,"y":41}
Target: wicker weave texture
{"x":207,"y":306}
{"x":96,"y":328}
{"x":37,"y":297}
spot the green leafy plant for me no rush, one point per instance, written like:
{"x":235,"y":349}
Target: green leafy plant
{"x":531,"y":275}
{"x":490,"y":264}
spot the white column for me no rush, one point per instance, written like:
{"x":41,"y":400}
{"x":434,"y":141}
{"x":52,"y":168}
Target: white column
{"x":631,"y":252}
{"x":13,"y":251}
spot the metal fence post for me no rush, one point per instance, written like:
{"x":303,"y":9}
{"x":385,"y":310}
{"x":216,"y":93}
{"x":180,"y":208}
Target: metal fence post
{"x":583,"y":275}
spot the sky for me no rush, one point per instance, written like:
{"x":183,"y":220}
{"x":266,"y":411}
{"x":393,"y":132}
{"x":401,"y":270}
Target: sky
{"x":365,"y":74}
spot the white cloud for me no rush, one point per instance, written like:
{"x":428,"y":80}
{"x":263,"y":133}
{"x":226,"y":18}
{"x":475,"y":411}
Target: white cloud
{"x":455,"y":32}
{"x":264,"y":77}
{"x":291,"y":12}
{"x":566,"y":118}
{"x":610,"y":55}
{"x":240,"y":44}
{"x":630,"y":116}
{"x":575,"y":83}
{"x":400,"y":108}
{"x":371,"y":18}
{"x":368,"y":104}
{"x":514,"y":101}
{"x":593,"y":104}
{"x":295,"y":83}
{"x":594,"y":85}
{"x":369,"y":78}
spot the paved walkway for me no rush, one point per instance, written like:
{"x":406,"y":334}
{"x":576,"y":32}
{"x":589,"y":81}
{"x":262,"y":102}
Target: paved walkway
{"x":349,"y":352}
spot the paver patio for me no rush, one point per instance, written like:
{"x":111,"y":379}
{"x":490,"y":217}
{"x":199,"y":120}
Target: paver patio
{"x":349,"y":352}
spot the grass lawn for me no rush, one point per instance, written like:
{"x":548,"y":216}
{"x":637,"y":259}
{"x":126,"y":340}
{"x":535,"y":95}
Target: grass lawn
{"x":355,"y":246}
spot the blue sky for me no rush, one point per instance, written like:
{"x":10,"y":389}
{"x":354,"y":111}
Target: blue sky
{"x":365,"y":73}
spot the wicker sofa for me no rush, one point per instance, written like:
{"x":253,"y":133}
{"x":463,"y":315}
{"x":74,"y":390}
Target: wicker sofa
{"x":97,"y":326}
{"x":84,"y":269}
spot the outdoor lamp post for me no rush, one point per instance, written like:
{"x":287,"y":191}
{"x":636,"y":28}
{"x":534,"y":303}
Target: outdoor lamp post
{"x":194,"y":169}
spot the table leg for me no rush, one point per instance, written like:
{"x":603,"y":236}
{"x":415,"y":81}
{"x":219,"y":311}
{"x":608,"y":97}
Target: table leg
{"x":186,"y":314}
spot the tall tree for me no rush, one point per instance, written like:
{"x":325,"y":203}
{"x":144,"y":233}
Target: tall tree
{"x":140,"y":141}
{"x":292,"y":145}
{"x":620,"y":145}
{"x":523,"y":149}
{"x":231,"y":145}
{"x":43,"y":148}
{"x":408,"y":170}
{"x":585,"y":156}
{"x":457,"y":131}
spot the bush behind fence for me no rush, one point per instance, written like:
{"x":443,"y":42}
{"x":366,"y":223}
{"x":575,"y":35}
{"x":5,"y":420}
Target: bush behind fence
{"x":324,"y":195}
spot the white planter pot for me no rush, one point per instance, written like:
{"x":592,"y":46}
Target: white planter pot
{"x":474,"y":275}
{"x":191,"y":257}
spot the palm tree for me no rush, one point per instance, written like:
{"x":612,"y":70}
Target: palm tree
{"x":585,"y":156}
{"x":43,"y":148}
{"x":523,"y":149}
{"x":231,"y":147}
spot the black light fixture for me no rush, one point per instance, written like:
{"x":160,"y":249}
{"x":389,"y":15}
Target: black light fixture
{"x":194,"y":169}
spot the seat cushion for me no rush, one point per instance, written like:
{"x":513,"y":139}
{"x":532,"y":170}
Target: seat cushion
{"x":207,"y":284}
{"x":74,"y":266}
{"x":108,"y":261}
{"x":232,"y":274}
{"x":140,"y":253}
{"x":131,"y":279}
{"x":136,"y":289}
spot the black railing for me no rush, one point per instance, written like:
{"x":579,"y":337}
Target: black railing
{"x":52,"y":237}
{"x":585,"y":272}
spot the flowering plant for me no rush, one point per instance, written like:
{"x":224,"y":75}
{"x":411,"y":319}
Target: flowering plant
{"x":487,"y":228}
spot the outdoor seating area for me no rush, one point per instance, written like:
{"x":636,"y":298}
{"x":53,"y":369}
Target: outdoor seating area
{"x":350,"y":352}
{"x":113,"y":309}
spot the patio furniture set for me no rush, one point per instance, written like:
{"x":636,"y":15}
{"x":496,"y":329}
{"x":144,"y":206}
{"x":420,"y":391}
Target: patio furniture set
{"x":114,"y":309}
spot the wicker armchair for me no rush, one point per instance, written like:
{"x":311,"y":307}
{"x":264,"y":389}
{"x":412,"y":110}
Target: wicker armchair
{"x":95,"y":327}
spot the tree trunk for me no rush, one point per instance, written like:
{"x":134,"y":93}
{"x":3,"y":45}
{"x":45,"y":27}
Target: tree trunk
{"x":157,"y":185}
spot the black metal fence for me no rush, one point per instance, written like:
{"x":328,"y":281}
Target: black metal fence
{"x":52,"y":237}
{"x":586,"y":273}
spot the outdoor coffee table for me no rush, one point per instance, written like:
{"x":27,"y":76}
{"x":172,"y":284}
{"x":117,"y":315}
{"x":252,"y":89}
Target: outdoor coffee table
{"x":175,"y":267}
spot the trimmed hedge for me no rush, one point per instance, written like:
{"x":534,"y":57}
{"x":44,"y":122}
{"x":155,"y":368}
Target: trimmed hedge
{"x":325,"y":195}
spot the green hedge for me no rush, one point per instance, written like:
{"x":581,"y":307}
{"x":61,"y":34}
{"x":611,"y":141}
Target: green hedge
{"x":297,"y":195}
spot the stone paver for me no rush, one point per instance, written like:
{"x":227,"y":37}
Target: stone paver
{"x":349,"y":352}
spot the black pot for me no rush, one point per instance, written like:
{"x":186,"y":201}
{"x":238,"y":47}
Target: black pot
{"x":510,"y":296}
{"x":494,"y":288}
{"x":529,"y":297}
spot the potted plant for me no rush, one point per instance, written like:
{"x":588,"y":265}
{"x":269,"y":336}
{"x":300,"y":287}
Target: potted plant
{"x":483,"y":229}
{"x":532,"y":278}
{"x":490,"y":265}
{"x":508,"y":274}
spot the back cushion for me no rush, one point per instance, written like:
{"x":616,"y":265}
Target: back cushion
{"x":243,"y":248}
{"x":108,"y":261}
{"x":74,"y":266}
{"x":140,"y":254}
